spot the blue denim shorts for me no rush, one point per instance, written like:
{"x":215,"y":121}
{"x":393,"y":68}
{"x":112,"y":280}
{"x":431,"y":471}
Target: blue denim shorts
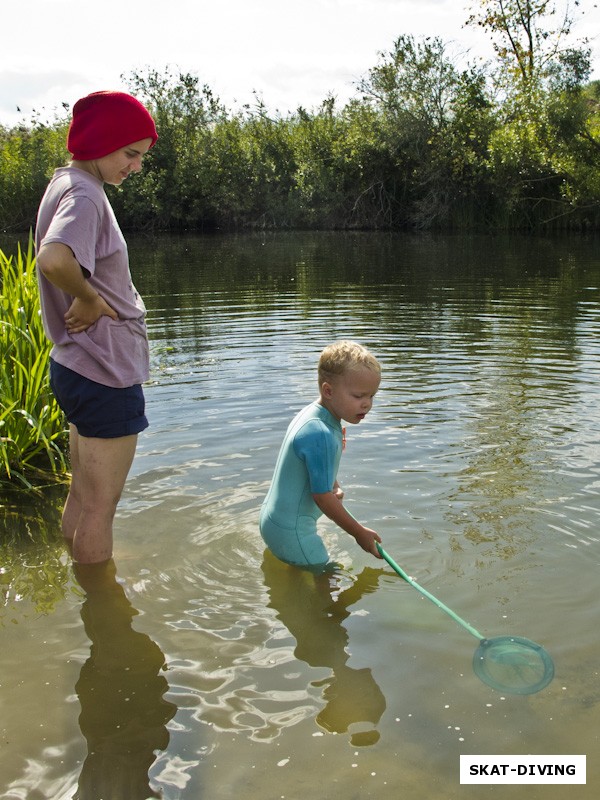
{"x":98,"y":411}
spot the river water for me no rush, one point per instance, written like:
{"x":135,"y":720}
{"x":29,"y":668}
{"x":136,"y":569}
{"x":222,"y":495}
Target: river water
{"x":203,"y":668}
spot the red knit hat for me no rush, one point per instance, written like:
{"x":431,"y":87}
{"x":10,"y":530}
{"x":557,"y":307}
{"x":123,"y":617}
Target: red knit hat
{"x":106,"y":121}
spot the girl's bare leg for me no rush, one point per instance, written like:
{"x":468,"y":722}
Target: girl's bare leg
{"x":99,"y":468}
{"x":72,"y":509}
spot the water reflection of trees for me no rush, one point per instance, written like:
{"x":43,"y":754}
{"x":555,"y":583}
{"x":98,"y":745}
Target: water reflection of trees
{"x":514,"y":415}
{"x":481,"y":330}
{"x":313,"y":610}
{"x":189,"y":280}
{"x":121,"y":690}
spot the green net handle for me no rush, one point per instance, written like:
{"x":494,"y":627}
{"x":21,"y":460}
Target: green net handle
{"x":427,"y":594}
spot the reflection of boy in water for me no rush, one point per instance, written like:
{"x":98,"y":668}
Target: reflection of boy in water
{"x":120,"y":688}
{"x":305,"y":485}
{"x":305,"y":604}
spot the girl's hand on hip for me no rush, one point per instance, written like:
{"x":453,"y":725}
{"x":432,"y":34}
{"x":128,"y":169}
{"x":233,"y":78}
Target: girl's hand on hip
{"x":82,"y":314}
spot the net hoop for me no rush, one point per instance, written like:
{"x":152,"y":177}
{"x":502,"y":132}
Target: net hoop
{"x":513,"y":664}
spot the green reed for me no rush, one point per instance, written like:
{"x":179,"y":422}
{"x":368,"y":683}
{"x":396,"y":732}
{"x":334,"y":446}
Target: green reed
{"x":33,"y":435}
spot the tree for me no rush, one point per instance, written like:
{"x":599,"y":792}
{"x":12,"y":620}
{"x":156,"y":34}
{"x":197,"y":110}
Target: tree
{"x":527,"y":35}
{"x":173,"y":189}
{"x":435,"y":121}
{"x":544,"y":148}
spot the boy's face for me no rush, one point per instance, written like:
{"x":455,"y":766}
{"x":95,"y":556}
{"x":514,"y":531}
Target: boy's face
{"x":350,"y":396}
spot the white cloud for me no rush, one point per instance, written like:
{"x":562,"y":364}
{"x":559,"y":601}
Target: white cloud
{"x":292,"y":52}
{"x":23,"y":92}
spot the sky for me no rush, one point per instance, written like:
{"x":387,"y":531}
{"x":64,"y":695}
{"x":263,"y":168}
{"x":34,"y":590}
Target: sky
{"x":286,"y":52}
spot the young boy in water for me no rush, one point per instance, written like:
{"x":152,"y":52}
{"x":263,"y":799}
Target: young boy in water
{"x":305,"y":485}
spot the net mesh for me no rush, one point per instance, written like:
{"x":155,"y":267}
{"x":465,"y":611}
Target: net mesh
{"x":513,"y":664}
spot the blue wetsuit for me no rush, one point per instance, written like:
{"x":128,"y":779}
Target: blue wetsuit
{"x":307,"y":464}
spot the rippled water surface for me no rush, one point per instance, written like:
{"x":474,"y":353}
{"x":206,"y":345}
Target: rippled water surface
{"x":206,"y":669}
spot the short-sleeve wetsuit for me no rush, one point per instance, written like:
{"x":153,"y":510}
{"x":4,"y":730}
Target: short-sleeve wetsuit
{"x":307,"y":464}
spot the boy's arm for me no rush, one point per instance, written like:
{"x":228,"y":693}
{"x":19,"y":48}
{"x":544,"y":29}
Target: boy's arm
{"x":332,"y":506}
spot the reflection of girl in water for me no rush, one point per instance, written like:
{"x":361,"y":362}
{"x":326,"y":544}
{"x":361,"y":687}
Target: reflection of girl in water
{"x":305,"y":604}
{"x":120,"y":688}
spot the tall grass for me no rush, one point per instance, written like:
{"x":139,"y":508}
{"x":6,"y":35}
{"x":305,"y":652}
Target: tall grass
{"x":32,"y":427}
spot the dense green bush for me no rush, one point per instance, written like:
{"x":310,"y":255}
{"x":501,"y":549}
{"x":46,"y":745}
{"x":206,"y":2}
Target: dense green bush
{"x":29,"y":154}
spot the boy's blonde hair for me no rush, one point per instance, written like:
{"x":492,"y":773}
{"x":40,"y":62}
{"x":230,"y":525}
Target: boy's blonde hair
{"x":344,"y":356}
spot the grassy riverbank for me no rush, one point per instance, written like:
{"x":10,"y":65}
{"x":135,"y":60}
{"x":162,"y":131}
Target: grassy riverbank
{"x":32,"y":427}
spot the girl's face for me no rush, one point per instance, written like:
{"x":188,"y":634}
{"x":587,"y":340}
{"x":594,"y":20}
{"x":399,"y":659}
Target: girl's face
{"x":116,"y":166}
{"x":350,"y":396}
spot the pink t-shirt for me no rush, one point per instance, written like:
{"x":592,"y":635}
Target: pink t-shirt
{"x":75,"y":211}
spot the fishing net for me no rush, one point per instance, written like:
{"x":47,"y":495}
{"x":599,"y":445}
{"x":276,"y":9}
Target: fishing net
{"x":508,"y":664}
{"x":513,"y":664}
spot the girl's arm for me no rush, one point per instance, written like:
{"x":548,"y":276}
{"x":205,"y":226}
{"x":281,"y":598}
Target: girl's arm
{"x":58,"y":264}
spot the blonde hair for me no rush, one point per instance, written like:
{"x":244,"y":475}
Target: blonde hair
{"x":344,"y":356}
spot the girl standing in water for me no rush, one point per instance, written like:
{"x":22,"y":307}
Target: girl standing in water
{"x":93,"y":314}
